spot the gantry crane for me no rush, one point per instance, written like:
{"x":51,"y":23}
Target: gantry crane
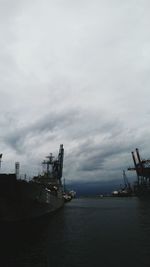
{"x":142,"y":168}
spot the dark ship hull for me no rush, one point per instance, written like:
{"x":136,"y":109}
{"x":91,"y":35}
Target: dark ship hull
{"x":21,"y":200}
{"x":31,"y":200}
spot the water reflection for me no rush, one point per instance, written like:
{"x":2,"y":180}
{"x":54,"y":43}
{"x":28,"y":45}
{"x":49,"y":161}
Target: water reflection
{"x":144,"y":213}
{"x":23,"y":245}
{"x":144,"y":230}
{"x":85,"y":233}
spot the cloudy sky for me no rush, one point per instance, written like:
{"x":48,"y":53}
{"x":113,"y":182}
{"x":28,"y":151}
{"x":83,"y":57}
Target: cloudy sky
{"x":75,"y":73}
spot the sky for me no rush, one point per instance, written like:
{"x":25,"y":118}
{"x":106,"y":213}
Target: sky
{"x":75,"y":73}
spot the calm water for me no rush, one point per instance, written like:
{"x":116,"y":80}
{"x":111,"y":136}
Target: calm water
{"x":87,"y":232}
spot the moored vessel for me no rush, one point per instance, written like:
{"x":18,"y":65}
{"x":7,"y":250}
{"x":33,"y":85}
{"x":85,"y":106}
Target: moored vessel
{"x":26,"y":200}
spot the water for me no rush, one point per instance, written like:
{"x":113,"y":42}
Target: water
{"x":87,"y":232}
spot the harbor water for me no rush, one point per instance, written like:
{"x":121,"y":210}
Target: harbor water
{"x":88,"y":232}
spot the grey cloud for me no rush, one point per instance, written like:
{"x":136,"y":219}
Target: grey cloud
{"x":50,"y":123}
{"x":105,"y":159}
{"x":79,"y":75}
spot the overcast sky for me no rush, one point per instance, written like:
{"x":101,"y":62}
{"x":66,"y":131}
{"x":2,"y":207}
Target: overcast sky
{"x":75,"y":73}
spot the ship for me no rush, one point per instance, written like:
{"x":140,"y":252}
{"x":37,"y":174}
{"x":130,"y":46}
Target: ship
{"x":22,"y":200}
{"x":142,"y":169}
{"x":68,"y":194}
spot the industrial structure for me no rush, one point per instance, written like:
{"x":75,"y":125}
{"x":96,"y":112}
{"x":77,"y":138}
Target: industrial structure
{"x":125,"y":190}
{"x":142,"y":168}
{"x":17,"y":169}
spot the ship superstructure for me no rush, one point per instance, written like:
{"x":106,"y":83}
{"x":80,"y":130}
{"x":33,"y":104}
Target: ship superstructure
{"x":52,"y":169}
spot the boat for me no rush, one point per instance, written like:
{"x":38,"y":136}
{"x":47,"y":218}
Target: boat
{"x":67,"y":197}
{"x":25,"y":200}
{"x":68,"y":194}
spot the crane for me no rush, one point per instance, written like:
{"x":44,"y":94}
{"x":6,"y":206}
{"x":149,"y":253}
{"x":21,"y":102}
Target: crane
{"x":126,"y":183}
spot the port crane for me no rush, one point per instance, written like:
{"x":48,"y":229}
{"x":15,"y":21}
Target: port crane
{"x":142,"y":168}
{"x":126,"y":182}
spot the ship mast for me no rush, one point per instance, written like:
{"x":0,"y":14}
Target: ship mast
{"x":48,"y":163}
{"x":54,"y":167}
